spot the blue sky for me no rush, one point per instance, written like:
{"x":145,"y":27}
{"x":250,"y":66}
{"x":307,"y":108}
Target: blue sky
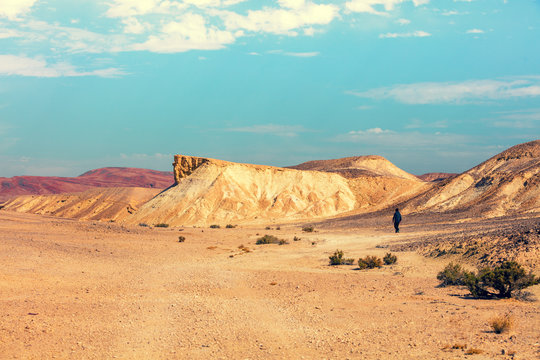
{"x":431,"y":85}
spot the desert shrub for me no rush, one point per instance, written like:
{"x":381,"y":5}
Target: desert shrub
{"x":214,"y":226}
{"x":389,"y":259}
{"x":283,"y":242}
{"x":501,"y":324}
{"x":308,"y":229}
{"x":296,"y":238}
{"x":181,"y":238}
{"x":162,"y":225}
{"x":143,"y":224}
{"x":278,"y":228}
{"x":473,"y":351}
{"x":499,"y":281}
{"x":370,"y":262}
{"x":268,"y":228}
{"x":452,"y":274}
{"x":267,"y":239}
{"x":338,"y":259}
{"x":362,"y":264}
{"x":230,"y":226}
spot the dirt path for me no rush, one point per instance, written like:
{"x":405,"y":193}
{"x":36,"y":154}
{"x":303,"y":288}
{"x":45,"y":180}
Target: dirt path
{"x":89,"y":290}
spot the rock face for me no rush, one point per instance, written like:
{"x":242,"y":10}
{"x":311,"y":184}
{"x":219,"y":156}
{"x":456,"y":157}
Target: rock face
{"x":184,"y":166}
{"x":507,"y":183}
{"x":214,"y":191}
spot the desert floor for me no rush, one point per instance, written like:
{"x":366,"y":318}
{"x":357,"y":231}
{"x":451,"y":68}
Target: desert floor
{"x":91,"y":290}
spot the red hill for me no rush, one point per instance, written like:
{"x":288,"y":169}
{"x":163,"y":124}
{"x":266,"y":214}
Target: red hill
{"x":104,"y":177}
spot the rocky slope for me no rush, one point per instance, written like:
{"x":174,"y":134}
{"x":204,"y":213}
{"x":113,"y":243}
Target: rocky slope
{"x":93,"y":204}
{"x":356,"y":166}
{"x":104,"y":177}
{"x":435,"y":176}
{"x":214,"y":191}
{"x":507,"y":183}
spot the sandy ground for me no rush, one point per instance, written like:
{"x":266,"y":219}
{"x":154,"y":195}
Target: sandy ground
{"x":90,"y":290}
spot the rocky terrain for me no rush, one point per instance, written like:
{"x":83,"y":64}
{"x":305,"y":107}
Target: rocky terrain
{"x":436,"y":176}
{"x":104,"y":177}
{"x":506,"y":184}
{"x":105,"y":204}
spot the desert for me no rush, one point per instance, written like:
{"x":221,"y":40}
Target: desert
{"x":176,"y":273}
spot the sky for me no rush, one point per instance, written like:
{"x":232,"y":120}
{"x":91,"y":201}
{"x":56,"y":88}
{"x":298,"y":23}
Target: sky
{"x":433,"y":86}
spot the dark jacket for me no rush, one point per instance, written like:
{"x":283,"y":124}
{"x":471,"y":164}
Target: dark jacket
{"x":397,"y":217}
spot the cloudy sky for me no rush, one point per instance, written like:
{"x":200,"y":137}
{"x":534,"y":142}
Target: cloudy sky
{"x":432,"y":85}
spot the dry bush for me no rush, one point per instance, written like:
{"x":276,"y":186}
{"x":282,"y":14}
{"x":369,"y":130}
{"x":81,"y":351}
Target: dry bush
{"x":308,"y":229}
{"x":230,"y":226}
{"x":338,"y":259}
{"x":501,"y":324}
{"x":181,"y":238}
{"x":296,"y":238}
{"x":389,"y":259}
{"x":162,"y":225}
{"x":214,"y":226}
{"x":268,"y":239}
{"x":474,"y":351}
{"x":370,"y":262}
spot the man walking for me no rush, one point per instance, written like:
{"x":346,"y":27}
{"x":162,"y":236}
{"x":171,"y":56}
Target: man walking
{"x":396,"y":220}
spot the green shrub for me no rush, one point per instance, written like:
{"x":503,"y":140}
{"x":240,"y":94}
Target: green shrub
{"x":308,"y":229}
{"x":162,"y":225}
{"x":181,"y":238}
{"x":362,"y":265}
{"x":389,"y":259}
{"x":267,"y":239}
{"x":215,"y":226}
{"x":338,"y":259}
{"x":499,"y":281}
{"x":452,"y":274}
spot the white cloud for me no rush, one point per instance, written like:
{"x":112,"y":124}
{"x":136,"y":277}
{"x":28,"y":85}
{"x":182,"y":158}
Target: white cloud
{"x":36,"y":67}
{"x":9,"y":33}
{"x":272,"y":129}
{"x":518,"y":119}
{"x":12,"y":9}
{"x":302,"y":54}
{"x":191,"y":33}
{"x":391,"y":139}
{"x":74,"y":39}
{"x":403,"y":21}
{"x":408,"y":34}
{"x":371,"y":6}
{"x":130,"y":8}
{"x":475,"y":31}
{"x":134,"y":26}
{"x":284,"y":21}
{"x":418,"y":124}
{"x":456,"y":92}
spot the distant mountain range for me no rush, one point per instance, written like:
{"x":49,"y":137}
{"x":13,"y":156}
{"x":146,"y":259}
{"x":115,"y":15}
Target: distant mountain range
{"x":99,"y":178}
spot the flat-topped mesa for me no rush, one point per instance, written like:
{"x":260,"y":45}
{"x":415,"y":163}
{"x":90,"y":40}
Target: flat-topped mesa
{"x":185,"y":165}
